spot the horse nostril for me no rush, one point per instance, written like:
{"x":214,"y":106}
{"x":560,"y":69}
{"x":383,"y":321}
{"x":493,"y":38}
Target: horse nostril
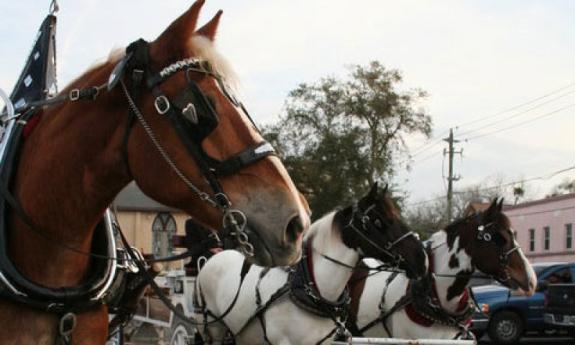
{"x":294,"y":229}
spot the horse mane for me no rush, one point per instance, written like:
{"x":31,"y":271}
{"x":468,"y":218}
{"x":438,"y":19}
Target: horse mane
{"x":203,"y":48}
{"x":390,"y":206}
{"x":199,"y":47}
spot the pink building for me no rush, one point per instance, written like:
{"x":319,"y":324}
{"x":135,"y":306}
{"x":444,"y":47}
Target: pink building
{"x":545,"y":228}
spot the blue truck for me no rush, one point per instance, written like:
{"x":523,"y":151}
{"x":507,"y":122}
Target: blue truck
{"x":506,"y":315}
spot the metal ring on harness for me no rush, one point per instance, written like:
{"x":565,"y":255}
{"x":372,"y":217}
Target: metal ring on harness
{"x":237,"y":226}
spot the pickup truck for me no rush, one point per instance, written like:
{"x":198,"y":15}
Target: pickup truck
{"x":560,"y":306}
{"x":506,"y":315}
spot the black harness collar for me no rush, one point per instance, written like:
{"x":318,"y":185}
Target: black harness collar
{"x":306,"y":295}
{"x":16,"y":287}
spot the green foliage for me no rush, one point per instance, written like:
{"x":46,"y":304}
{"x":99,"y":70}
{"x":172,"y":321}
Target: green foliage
{"x":337,"y":137}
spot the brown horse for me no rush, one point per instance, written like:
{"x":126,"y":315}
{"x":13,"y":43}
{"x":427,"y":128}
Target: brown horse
{"x":80,"y":155}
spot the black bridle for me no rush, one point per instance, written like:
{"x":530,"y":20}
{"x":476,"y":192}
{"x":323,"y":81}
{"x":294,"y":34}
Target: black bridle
{"x":364,"y":224}
{"x":193,"y":117}
{"x":486,"y":235}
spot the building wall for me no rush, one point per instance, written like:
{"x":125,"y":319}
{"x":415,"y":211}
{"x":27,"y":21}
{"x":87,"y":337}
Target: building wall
{"x":554,"y":213}
{"x":137,"y":226}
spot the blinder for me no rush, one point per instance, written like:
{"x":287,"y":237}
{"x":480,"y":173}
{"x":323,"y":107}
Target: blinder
{"x":363,"y":224}
{"x":190,"y":111}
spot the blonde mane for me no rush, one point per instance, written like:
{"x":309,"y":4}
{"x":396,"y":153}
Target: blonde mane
{"x":204,"y":49}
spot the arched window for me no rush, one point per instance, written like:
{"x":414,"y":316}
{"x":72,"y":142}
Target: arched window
{"x":163,"y":228}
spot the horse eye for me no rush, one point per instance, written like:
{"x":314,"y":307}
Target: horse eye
{"x":499,"y":239}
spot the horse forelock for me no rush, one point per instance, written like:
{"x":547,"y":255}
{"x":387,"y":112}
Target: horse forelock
{"x":203,"y":48}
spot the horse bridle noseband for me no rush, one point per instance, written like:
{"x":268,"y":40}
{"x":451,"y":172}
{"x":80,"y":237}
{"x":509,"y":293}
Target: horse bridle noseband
{"x":192,"y":120}
{"x":361,"y":223}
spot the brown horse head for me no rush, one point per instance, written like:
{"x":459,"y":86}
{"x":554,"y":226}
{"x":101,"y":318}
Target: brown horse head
{"x":488,"y":239}
{"x":262,"y":190}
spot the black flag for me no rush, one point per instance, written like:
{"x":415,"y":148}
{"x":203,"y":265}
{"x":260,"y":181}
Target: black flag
{"x":38,"y":79}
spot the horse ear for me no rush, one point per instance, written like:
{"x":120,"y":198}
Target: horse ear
{"x":386,"y":188}
{"x":175,"y":38}
{"x":373,"y":191}
{"x":500,"y":205}
{"x":210,"y":29}
{"x":492,"y":207}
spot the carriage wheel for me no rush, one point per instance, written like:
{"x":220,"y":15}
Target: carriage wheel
{"x":183,"y":334}
{"x":505,"y":327}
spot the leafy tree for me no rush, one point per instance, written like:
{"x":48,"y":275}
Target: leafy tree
{"x":565,"y":187}
{"x":337,"y":137}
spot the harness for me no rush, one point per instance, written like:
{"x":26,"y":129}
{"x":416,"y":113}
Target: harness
{"x":192,"y":117}
{"x":301,"y":286}
{"x":421,"y":301}
{"x":303,"y":292}
{"x":422,"y":305}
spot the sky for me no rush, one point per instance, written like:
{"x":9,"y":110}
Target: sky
{"x":476,"y":59}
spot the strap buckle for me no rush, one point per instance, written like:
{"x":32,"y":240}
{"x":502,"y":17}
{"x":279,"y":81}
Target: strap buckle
{"x":162,"y":104}
{"x":67,"y":324}
{"x":74,"y":95}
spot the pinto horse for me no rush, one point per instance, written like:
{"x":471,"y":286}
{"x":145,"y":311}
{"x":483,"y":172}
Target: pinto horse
{"x":483,"y":242}
{"x":84,"y":150}
{"x":318,"y":301}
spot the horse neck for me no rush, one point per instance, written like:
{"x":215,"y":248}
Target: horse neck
{"x":69,"y":171}
{"x":331,"y":278}
{"x":449,"y":262}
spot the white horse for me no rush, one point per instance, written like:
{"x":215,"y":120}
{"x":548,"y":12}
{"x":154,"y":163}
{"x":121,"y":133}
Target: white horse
{"x":483,"y":241}
{"x":307,"y":303}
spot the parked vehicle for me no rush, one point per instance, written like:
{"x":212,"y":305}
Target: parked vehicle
{"x":560,"y":306}
{"x":506,"y":315}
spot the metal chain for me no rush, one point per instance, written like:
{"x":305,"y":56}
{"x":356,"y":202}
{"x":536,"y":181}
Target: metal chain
{"x":229,"y":217}
{"x":203,"y":195}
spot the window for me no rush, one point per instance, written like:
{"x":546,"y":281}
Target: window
{"x":531,"y":240}
{"x":568,"y":236}
{"x":163,"y":229}
{"x":546,"y":237}
{"x":560,"y":276}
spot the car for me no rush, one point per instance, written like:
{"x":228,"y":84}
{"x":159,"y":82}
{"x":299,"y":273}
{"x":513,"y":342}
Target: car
{"x":506,"y":315}
{"x":560,"y":306}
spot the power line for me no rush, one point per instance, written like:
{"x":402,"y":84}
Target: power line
{"x":490,"y":124}
{"x":434,"y":141}
{"x":426,"y":158}
{"x":430,"y":143}
{"x":531,"y":179}
{"x":514,"y":107}
{"x":521,"y":123}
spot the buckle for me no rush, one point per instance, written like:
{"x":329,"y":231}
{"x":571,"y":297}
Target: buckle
{"x":67,"y":324}
{"x":162,"y":104}
{"x":74,"y":95}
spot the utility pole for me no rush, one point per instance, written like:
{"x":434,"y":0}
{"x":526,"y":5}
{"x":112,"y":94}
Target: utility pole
{"x":451,"y":177}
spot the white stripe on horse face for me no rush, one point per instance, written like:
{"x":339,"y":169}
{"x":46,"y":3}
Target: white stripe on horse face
{"x":460,"y":254}
{"x":526,"y":263}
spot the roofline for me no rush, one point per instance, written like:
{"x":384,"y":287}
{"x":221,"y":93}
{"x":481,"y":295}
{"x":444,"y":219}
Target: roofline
{"x":539,"y":202}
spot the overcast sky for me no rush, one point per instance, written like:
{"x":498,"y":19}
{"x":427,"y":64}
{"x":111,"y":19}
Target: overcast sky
{"x":475,"y":58}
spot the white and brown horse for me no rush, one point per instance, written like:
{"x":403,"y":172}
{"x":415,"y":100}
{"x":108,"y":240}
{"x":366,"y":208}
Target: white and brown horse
{"x":307,"y":303}
{"x":391,"y":305}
